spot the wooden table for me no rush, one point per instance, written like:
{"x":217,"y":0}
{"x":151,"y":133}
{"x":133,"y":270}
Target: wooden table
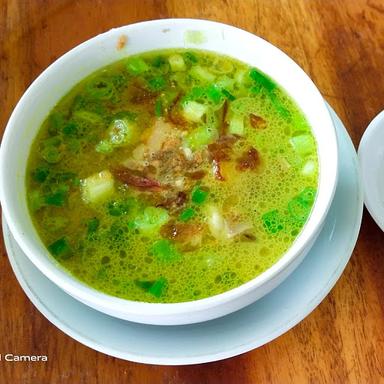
{"x":340,"y":44}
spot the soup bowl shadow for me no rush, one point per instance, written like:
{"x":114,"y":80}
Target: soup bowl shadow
{"x":67,"y":71}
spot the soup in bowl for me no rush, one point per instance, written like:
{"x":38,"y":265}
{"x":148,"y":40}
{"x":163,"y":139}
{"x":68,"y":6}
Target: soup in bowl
{"x":170,"y":171}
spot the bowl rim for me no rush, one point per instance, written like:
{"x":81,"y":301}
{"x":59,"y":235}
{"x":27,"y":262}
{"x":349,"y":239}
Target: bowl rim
{"x":88,"y":294}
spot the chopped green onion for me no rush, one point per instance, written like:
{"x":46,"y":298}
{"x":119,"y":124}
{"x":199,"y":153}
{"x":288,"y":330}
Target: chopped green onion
{"x":122,"y":131}
{"x":157,"y":83}
{"x":118,"y":208}
{"x":88,"y":117}
{"x":144,"y":284}
{"x":51,"y":154}
{"x":98,"y":187}
{"x":196,"y":94}
{"x":36,"y":200}
{"x":300,"y":206}
{"x":158,"y":108}
{"x":187,"y":214}
{"x":190,"y":58}
{"x":177,"y":63}
{"x":279,"y":105}
{"x":303,"y":144}
{"x":256,"y":89}
{"x":273,"y":221}
{"x":136,"y":66}
{"x":70,"y":129}
{"x":199,"y":195}
{"x":228,"y":94}
{"x":57,"y":199}
{"x":104,"y":146}
{"x":298,"y":209}
{"x":56,"y":122}
{"x":201,"y":136}
{"x":309,"y":168}
{"x":240,"y":76}
{"x":159,"y":61}
{"x":236,"y":124}
{"x":214,"y":93}
{"x":225,"y":82}
{"x":168,"y":97}
{"x":202,"y":74}
{"x":261,"y":79}
{"x":164,"y":250}
{"x":60,"y":249}
{"x":40,"y":174}
{"x":100,"y":88}
{"x":151,"y":219}
{"x":194,"y":111}
{"x":92,"y":225}
{"x":222,"y":66}
{"x":158,"y":288}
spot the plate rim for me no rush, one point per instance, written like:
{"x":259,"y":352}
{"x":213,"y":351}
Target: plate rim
{"x":364,"y":154}
{"x":199,"y":358}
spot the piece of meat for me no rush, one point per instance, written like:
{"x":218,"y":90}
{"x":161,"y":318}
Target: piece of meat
{"x":249,"y":160}
{"x":221,"y":149}
{"x":248,"y":237}
{"x":257,"y":121}
{"x":182,"y":232}
{"x":140,"y":95}
{"x":160,"y":134}
{"x":171,"y":162}
{"x":176,"y":118}
{"x":174,"y":114}
{"x":136,"y":179}
{"x":173,"y":202}
{"x":196,"y":175}
{"x":217,"y":170}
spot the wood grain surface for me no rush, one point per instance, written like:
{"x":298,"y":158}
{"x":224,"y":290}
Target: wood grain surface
{"x":340,"y":44}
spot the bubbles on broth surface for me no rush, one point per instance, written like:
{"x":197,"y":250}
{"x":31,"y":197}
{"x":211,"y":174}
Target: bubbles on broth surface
{"x":111,"y":253}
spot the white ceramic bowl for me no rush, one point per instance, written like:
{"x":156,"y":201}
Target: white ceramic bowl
{"x":371,"y":156}
{"x":101,"y":50}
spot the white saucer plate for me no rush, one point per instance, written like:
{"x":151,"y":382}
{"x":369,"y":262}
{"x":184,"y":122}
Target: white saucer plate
{"x":228,"y":336}
{"x":371,"y":157}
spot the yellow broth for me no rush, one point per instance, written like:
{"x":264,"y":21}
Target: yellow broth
{"x":172,"y":176}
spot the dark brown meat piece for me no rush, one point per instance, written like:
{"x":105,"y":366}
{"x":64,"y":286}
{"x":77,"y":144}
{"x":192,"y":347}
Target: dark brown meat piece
{"x":140,"y":95}
{"x":177,"y":119}
{"x":221,"y":149}
{"x":217,"y":170}
{"x":223,"y":118}
{"x":196,"y":175}
{"x":257,"y":121}
{"x":174,"y":202}
{"x":169,"y":163}
{"x":136,"y":179}
{"x":180,"y":232}
{"x":249,"y":160}
{"x":248,"y":237}
{"x":174,"y":115}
